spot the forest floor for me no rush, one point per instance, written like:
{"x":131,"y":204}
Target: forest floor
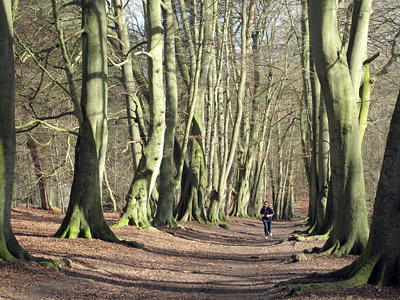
{"x":203,"y":261}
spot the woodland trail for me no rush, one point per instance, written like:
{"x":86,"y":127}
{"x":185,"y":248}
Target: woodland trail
{"x":203,"y":261}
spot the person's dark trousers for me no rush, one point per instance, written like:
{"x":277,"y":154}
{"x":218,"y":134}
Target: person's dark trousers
{"x":267,"y":227}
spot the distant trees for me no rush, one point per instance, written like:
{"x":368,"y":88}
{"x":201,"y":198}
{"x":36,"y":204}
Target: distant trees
{"x":237,"y":91}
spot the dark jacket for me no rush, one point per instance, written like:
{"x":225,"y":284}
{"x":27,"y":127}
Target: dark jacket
{"x":266,"y":211}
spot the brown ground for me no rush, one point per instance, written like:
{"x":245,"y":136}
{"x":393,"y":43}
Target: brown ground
{"x":201,"y":262}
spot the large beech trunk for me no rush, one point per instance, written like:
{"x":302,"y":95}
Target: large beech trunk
{"x":338,"y":74}
{"x":84,"y":216}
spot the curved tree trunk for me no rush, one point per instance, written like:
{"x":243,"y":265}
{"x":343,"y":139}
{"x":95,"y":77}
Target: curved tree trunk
{"x":137,"y":199}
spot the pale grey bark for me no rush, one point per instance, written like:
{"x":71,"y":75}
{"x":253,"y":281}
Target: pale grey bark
{"x":166,"y":202}
{"x":137,"y":199}
{"x":217,"y":212}
{"x":133,"y":107}
{"x":250,"y":131}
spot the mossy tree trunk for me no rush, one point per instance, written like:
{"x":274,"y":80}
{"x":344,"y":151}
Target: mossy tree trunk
{"x":340,"y":88}
{"x":323,"y":224}
{"x":193,"y":196}
{"x":10,"y":249}
{"x":137,"y":199}
{"x":166,"y":201}
{"x":379,"y":263}
{"x":308,"y":115}
{"x":84,"y":216}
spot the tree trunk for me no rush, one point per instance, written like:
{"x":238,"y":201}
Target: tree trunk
{"x":379,"y":263}
{"x":133,"y":106}
{"x":216,"y":214}
{"x":137,"y":199}
{"x":350,"y":231}
{"x":165,"y":208}
{"x":44,"y":200}
{"x":84,"y":216}
{"x":10,"y":249}
{"x":324,"y":211}
{"x":194,"y":192}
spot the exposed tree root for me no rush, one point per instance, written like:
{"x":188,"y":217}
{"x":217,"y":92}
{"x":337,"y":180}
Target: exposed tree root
{"x":359,"y":278}
{"x":13,"y":252}
{"x":373,"y":269}
{"x":301,"y":237}
{"x":314,"y":252}
{"x":169,"y":222}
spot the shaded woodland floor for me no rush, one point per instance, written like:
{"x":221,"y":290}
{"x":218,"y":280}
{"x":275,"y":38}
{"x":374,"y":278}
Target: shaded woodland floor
{"x":203,"y":261}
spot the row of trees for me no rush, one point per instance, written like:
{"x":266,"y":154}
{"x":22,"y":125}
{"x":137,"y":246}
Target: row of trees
{"x":337,"y":206}
{"x":249,"y":110}
{"x":230,"y":114}
{"x":70,"y":76}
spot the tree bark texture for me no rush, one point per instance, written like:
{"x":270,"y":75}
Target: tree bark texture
{"x":166,"y":202}
{"x":84,"y":216}
{"x":137,"y":199}
{"x":194,"y":191}
{"x":379,"y":264}
{"x":9,"y":247}
{"x":350,"y":231}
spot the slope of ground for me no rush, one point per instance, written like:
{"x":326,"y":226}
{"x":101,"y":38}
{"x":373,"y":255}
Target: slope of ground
{"x":203,"y":261}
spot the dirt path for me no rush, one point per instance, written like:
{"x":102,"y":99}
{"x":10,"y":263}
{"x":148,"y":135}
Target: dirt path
{"x":202,"y":262}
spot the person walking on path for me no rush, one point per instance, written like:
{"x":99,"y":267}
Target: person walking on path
{"x":267,"y":213}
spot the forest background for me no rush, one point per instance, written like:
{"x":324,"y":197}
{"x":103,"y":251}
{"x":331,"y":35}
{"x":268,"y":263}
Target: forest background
{"x":199,"y":113}
{"x":276,"y":130}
